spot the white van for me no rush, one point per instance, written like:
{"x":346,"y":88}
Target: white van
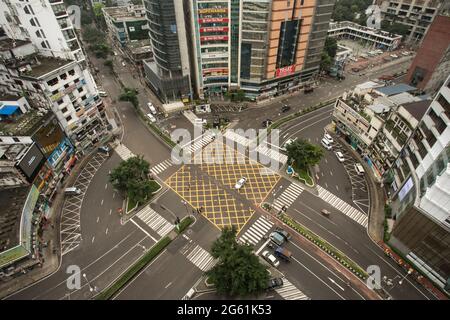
{"x":151,"y":107}
{"x":326,"y":144}
{"x":102,"y":94}
{"x":359,"y":169}
{"x":72,"y":191}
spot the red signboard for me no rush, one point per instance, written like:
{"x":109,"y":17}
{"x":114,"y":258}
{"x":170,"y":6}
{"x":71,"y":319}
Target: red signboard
{"x":213,"y":38}
{"x":282,"y":72}
{"x":214,"y":29}
{"x":212,"y":20}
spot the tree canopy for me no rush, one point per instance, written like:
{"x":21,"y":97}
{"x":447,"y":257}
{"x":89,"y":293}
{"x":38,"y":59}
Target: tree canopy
{"x":238,"y":271}
{"x":303,"y":153}
{"x":395,"y":27}
{"x":347,"y":10}
{"x":131,"y":177}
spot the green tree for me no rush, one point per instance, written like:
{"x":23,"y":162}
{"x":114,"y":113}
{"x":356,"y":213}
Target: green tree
{"x":109,"y":63}
{"x":131,"y":177}
{"x":303,"y":153}
{"x":238,"y":271}
{"x":130,"y":95}
{"x":395,"y":27}
{"x":97,"y":8}
{"x":101,"y":50}
{"x":93,"y":35}
{"x":330,"y":47}
{"x":136,"y":2}
{"x":325,"y":62}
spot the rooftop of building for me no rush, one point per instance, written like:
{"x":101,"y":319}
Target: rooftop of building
{"x":395,"y":89}
{"x":11,"y":204}
{"x":46,"y":65}
{"x":140,"y":46}
{"x":8,"y":43}
{"x":24,"y":124}
{"x":402,"y":98}
{"x":348,"y":24}
{"x":129,"y":12}
{"x":418,"y":108}
{"x":9,"y":97}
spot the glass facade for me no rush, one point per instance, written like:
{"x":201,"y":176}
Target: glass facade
{"x":287,"y":46}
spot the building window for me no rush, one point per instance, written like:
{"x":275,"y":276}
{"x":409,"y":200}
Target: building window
{"x":55,"y":92}
{"x":26,"y":9}
{"x":43,"y":45}
{"x":80,"y":89}
{"x":63,"y":76}
{"x":83,"y":98}
{"x":66,"y":85}
{"x":438,"y":122}
{"x":76,"y":80}
{"x":69,"y":118}
{"x":445,"y":104}
{"x":38,"y":34}
{"x":429,"y":136}
{"x":414,"y":160}
{"x":64,"y":110}
{"x":60,"y":101}
{"x":71,"y":72}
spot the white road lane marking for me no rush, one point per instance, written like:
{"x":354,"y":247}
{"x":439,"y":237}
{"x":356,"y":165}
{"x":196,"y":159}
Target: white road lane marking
{"x":110,"y":211}
{"x":336,"y":284}
{"x":106,"y":232}
{"x":98,"y":218}
{"x":106,"y":186}
{"x":93,"y":238}
{"x":101,"y":202}
{"x":148,"y":234}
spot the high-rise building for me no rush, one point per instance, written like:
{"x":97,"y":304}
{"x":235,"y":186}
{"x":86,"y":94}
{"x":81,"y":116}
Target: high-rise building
{"x":40,"y":55}
{"x":168,"y":74}
{"x":422,"y":200}
{"x":43,"y":22}
{"x":417,"y":15}
{"x":264,"y":47}
{"x":431,"y":65}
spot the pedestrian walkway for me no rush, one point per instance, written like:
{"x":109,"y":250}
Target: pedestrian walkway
{"x":123,"y":152}
{"x":160,"y":167}
{"x":343,"y":206}
{"x":199,"y":143}
{"x":156,"y":222}
{"x":233,"y":136}
{"x":289,"y":195}
{"x":289,"y":292}
{"x":257,"y":231}
{"x":201,"y":258}
{"x":271,"y":153}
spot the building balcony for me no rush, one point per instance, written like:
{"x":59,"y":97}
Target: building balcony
{"x":56,"y":1}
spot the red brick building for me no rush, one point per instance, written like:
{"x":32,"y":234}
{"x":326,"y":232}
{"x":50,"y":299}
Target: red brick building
{"x":431,"y":66}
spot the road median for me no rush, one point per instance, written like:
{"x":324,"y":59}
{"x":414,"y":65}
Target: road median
{"x":142,"y":262}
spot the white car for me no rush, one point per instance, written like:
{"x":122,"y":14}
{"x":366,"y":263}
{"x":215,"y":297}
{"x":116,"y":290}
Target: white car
{"x":151,"y":117}
{"x":151,"y":107}
{"x":288,"y":142}
{"x":340,"y":156}
{"x":240,"y":183}
{"x":270,"y":258}
{"x":328,"y":137}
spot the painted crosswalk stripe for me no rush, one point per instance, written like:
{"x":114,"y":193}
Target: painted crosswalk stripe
{"x":155,"y":221}
{"x":201,"y":258}
{"x":290,"y":292}
{"x":160,"y":167}
{"x":289,"y":195}
{"x":123,"y":152}
{"x":231,"y":135}
{"x":353,"y":213}
{"x":256,"y":231}
{"x":272,"y":154}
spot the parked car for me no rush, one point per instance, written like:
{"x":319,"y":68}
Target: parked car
{"x":274,"y":283}
{"x":285,"y":108}
{"x":326,"y":144}
{"x":359,"y":169}
{"x":277,"y":238}
{"x":102,"y":94}
{"x":328,"y":137}
{"x":288,"y":142}
{"x":151,"y":117}
{"x":72,"y":191}
{"x":340,"y":156}
{"x":240,"y":183}
{"x":325,"y":212}
{"x":104,"y":149}
{"x":270,"y":258}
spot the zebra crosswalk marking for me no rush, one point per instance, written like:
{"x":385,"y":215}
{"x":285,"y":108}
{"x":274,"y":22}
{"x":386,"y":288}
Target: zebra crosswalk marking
{"x":256,"y":231}
{"x":123,"y":152}
{"x":155,"y":221}
{"x":160,"y":167}
{"x":290,"y":292}
{"x":201,"y":258}
{"x":289,"y":195}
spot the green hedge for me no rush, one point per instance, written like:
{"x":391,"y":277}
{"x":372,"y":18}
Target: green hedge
{"x":109,"y":292}
{"x":185,"y":223}
{"x":325,"y":246}
{"x":156,"y":130}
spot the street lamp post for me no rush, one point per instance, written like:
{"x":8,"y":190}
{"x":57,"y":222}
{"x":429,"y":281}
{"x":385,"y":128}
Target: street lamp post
{"x":409,"y":272}
{"x":91,"y":289}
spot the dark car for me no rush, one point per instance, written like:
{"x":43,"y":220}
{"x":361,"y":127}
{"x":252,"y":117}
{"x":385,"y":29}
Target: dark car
{"x":274,"y":283}
{"x":266,"y":123}
{"x":286,"y":235}
{"x":285,"y":108}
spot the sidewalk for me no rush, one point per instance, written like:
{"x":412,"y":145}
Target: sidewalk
{"x":51,"y":261}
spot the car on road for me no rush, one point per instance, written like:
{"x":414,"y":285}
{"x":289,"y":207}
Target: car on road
{"x":326,"y":144}
{"x":151,"y":107}
{"x":102,"y":94}
{"x":151,"y":117}
{"x":325,"y":212}
{"x":328,"y":137}
{"x":274,"y":283}
{"x":104,"y":149}
{"x":286,"y":235}
{"x":283,"y":254}
{"x":277,"y":238}
{"x":270,"y":258}
{"x":266,"y":123}
{"x":240,"y":183}
{"x":340,"y":156}
{"x":285,"y":108}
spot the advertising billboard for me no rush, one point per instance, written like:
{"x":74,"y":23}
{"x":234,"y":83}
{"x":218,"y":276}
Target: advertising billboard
{"x":214,"y":29}
{"x":49,"y":136}
{"x":285,"y":71}
{"x":213,"y":38}
{"x":212,"y":10}
{"x":212,"y":20}
{"x":31,"y":162}
{"x":64,"y":149}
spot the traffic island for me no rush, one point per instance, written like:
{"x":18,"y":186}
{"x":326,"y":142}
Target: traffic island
{"x":142,"y":262}
{"x":325,"y":246}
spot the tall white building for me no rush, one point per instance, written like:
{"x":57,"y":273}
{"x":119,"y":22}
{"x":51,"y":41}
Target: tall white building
{"x":45,"y":23}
